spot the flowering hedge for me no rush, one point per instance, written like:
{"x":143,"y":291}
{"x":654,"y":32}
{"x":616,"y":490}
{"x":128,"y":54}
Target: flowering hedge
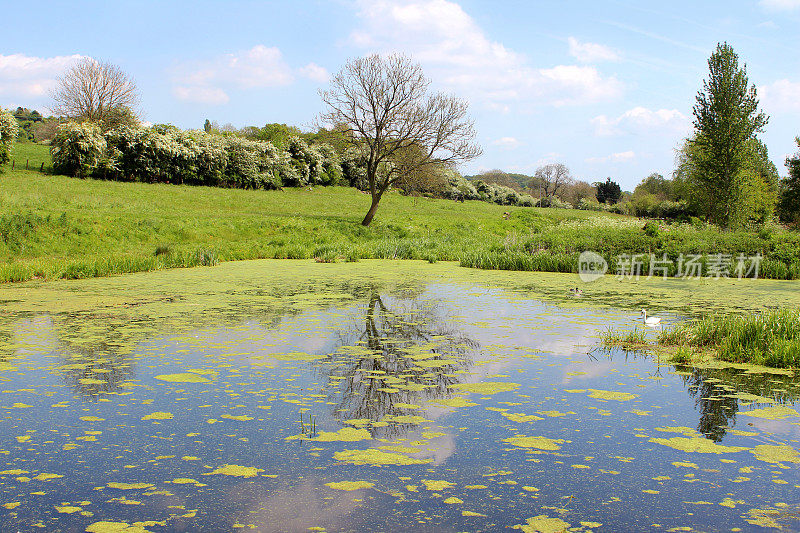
{"x":166,"y":154}
{"x":8,"y":132}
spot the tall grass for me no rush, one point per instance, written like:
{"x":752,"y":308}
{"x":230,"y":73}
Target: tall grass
{"x":770,"y":338}
{"x":626,"y":340}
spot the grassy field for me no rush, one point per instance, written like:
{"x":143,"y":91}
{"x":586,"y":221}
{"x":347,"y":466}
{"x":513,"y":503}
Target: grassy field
{"x":59,"y":227}
{"x":35,"y":156}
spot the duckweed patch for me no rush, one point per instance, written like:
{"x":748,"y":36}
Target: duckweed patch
{"x":611,"y":395}
{"x":377,"y":458}
{"x":771,"y":453}
{"x":235,"y":471}
{"x":350,"y":485}
{"x":182,"y":377}
{"x":541,"y":443}
{"x":507,"y":417}
{"x":697,"y":444}
{"x":487,"y":387}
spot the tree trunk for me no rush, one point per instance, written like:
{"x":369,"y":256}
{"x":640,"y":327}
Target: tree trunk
{"x":372,"y":208}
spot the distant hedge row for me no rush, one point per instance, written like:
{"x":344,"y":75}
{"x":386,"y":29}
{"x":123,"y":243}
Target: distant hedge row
{"x":166,"y":154}
{"x":8,"y":132}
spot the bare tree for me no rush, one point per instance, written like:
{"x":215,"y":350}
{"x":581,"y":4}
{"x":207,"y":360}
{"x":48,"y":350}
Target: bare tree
{"x":96,"y":92}
{"x":383,"y":106}
{"x":552,"y":178}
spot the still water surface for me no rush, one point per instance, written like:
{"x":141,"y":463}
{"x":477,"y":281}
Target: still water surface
{"x":361,"y":406}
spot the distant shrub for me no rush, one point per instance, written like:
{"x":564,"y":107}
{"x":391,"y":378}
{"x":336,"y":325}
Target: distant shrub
{"x":588,"y":204}
{"x":77,"y":149}
{"x":497,"y":194}
{"x":311,"y":165}
{"x":8,"y":132}
{"x":621,"y":208}
{"x":354,"y":168}
{"x":650,"y":206}
{"x":526,"y":200}
{"x":460,"y":188}
{"x":554,"y":202}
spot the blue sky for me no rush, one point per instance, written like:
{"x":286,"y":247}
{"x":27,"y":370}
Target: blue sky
{"x":605,"y":87}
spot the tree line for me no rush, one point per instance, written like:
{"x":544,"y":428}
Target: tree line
{"x":722,"y":175}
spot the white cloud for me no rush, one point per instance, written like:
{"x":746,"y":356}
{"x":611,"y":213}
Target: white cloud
{"x":640,"y":120}
{"x":256,"y":68}
{"x":509,"y":143}
{"x":623,"y":156}
{"x":780,"y":96}
{"x":201,"y":95}
{"x":618,"y":157}
{"x":314,"y":72}
{"x":582,"y":85}
{"x":23,"y":78}
{"x":546,"y":159}
{"x":457,"y":53}
{"x":780,"y":5}
{"x":591,"y":52}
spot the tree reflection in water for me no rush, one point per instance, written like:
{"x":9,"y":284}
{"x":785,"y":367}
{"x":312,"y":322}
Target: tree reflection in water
{"x":96,"y":351}
{"x":714,"y":391}
{"x":401,"y":351}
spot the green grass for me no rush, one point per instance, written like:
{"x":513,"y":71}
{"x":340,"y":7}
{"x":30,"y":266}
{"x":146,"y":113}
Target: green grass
{"x":59,"y":227}
{"x":628,"y":341}
{"x":770,"y":338}
{"x":35,"y":155}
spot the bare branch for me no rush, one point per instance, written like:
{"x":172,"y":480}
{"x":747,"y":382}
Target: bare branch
{"x":552,"y":178}
{"x":96,"y":92}
{"x":383,"y":104}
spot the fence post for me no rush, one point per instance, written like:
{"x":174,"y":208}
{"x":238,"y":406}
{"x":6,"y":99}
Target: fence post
{"x":26,"y":163}
{"x":41,"y":169}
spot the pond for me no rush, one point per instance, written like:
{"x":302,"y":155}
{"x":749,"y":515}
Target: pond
{"x":278,"y":396}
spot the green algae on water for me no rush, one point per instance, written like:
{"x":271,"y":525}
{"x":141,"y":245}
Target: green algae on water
{"x":698,"y":444}
{"x":487,"y":387}
{"x":236,"y":471}
{"x":346,"y":434}
{"x":377,"y":458}
{"x":543,"y":524}
{"x":611,"y":395}
{"x":541,"y":443}
{"x":776,"y":453}
{"x":774,"y":412}
{"x":182,"y":377}
{"x":350,"y":485}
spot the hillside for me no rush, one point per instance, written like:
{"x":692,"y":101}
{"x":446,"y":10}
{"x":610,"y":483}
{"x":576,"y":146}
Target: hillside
{"x":61,"y":227}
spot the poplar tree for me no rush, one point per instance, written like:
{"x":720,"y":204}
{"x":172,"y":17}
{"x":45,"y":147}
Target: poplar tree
{"x":790,"y":197}
{"x":726,"y":118}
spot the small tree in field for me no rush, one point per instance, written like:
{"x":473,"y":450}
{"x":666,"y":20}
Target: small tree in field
{"x":552,"y":179}
{"x":608,"y":192}
{"x":382,"y":106}
{"x":98,"y":92}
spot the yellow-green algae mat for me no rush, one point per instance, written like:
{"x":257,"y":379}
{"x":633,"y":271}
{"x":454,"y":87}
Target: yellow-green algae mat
{"x":381,"y":395}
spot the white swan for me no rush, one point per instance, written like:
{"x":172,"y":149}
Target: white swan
{"x":652,"y":321}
